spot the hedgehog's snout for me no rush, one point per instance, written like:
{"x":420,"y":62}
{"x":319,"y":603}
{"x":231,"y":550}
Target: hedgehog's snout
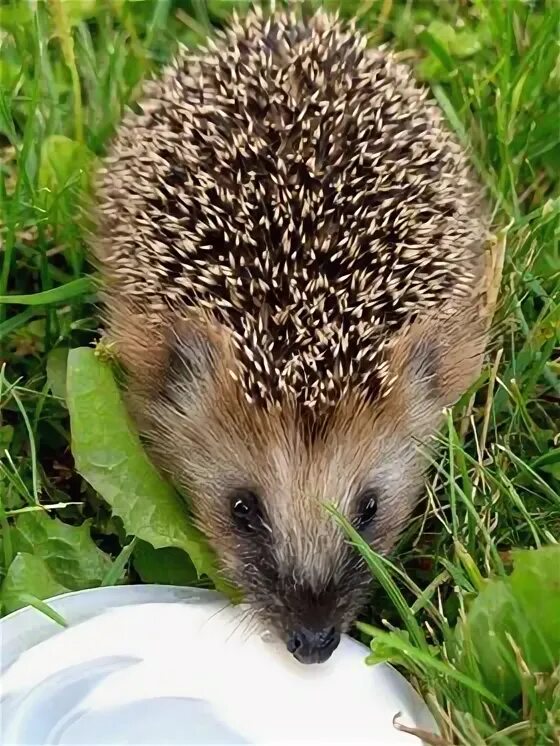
{"x":310,"y":620}
{"x":313,"y":646}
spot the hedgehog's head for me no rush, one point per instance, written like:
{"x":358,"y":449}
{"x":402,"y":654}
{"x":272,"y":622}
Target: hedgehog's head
{"x":259,"y":478}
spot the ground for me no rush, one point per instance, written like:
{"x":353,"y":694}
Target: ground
{"x":479,"y":641}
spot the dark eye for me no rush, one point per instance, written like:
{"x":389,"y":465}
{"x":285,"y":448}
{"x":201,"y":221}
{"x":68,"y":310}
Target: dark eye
{"x":366,"y":510}
{"x":245,"y":510}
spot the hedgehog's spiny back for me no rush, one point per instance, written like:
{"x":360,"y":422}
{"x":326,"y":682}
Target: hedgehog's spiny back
{"x":300,"y":188}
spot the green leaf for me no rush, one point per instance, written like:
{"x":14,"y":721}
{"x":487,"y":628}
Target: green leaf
{"x":431,"y":68}
{"x":9,"y":73}
{"x":28,"y":577}
{"x":444,"y":44}
{"x":443,"y":32}
{"x":118,"y":570}
{"x":395,"y":646}
{"x":549,"y":462}
{"x":69,"y":553}
{"x":525,"y":608}
{"x":168,"y":566}
{"x":15,"y":14}
{"x":553,"y":470}
{"x":15,"y":322}
{"x":108,"y":454}
{"x":384,"y":650}
{"x":535,"y":582}
{"x":223,"y":9}
{"x":491,"y":614}
{"x":65,"y":166}
{"x":6,"y":435}
{"x":57,"y":362}
{"x":465,"y":44}
{"x":79,"y":10}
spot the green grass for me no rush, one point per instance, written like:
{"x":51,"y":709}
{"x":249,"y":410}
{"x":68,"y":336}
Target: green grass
{"x":67,"y":69}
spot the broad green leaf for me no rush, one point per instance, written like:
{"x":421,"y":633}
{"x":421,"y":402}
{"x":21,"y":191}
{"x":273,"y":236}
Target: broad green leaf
{"x":168,"y":566}
{"x":524,"y":607}
{"x":463,"y":43}
{"x":444,"y":44}
{"x":56,"y":371}
{"x":108,"y":454}
{"x":443,"y":32}
{"x":28,"y":577}
{"x":68,"y":552}
{"x":493,"y":612}
{"x":535,"y":582}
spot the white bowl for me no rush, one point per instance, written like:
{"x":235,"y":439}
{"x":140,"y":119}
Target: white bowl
{"x":165,"y":665}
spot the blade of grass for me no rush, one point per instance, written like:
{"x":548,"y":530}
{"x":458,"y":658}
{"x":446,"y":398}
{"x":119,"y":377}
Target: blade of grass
{"x":378,"y":566}
{"x":61,"y":294}
{"x":117,"y":569}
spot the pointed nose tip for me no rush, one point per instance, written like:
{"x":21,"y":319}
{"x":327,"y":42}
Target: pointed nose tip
{"x":313,"y":646}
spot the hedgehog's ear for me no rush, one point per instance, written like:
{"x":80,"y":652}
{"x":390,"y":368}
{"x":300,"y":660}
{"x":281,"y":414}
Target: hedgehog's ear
{"x":437,"y":358}
{"x":192,"y":354}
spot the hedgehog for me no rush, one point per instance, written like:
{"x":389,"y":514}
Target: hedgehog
{"x":292,"y":248}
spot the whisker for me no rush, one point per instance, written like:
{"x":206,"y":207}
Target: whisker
{"x":219,"y":611}
{"x":239,"y":624}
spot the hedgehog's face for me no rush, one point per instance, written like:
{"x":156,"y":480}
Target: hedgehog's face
{"x":260,"y":493}
{"x":281,"y":544}
{"x":259,"y":486}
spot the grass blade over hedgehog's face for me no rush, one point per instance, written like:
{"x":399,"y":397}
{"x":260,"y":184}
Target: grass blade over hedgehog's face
{"x":259,"y":482}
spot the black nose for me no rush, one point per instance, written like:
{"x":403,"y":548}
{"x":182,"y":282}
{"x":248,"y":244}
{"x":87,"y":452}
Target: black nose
{"x":313,"y":646}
